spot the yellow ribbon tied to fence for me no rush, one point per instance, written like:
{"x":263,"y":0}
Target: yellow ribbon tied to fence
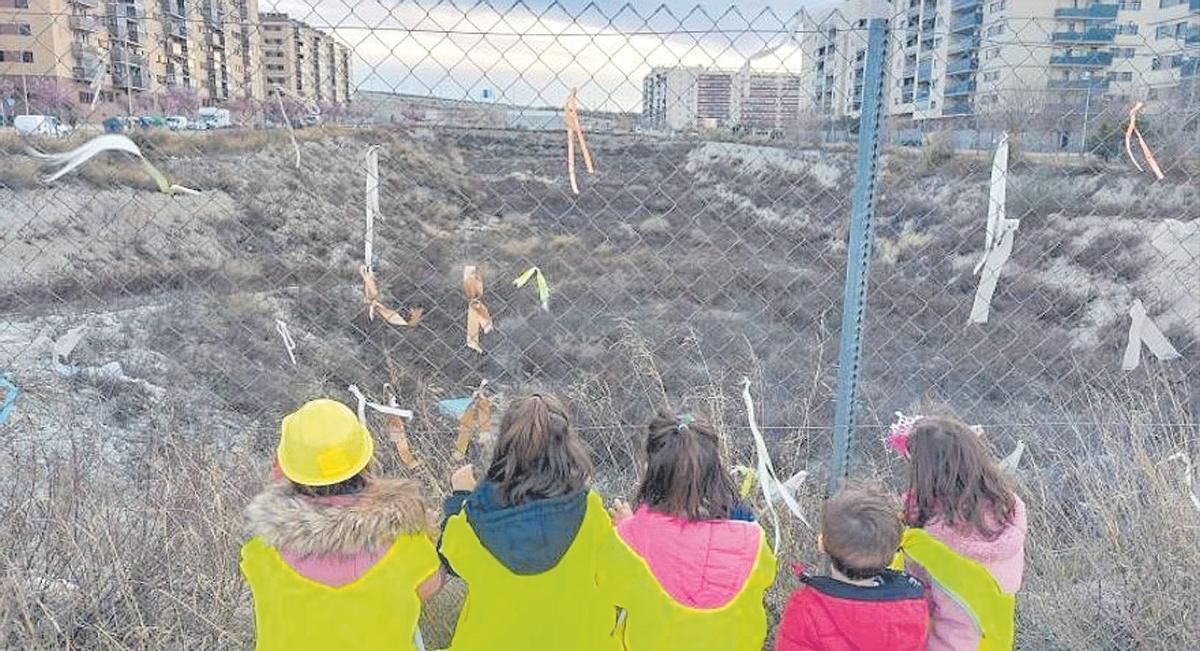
{"x":107,"y":142}
{"x":539,"y":279}
{"x":1130,"y":132}
{"x":376,"y":307}
{"x":478,"y":317}
{"x":475,"y":421}
{"x":575,"y":131}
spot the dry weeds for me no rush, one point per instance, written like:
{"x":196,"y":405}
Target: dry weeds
{"x":121,"y":513}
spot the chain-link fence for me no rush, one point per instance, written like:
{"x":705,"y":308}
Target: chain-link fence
{"x":153,"y":341}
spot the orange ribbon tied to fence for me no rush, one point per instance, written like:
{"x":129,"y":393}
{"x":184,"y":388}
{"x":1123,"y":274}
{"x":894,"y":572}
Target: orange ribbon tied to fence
{"x":475,"y":420}
{"x":575,"y":130}
{"x":397,"y":431}
{"x":376,"y":307}
{"x":1132,"y":131}
{"x":478,"y":317}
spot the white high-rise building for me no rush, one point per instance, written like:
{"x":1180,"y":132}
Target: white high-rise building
{"x":833,"y":47}
{"x":1004,"y":59}
{"x":695,"y":97}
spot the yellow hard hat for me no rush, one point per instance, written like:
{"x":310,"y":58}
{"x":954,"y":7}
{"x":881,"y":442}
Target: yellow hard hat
{"x":323,"y":443}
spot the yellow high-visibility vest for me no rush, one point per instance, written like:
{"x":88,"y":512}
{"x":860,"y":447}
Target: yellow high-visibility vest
{"x":377,"y":611}
{"x":969,"y":584}
{"x":559,"y":609}
{"x":654,"y":620}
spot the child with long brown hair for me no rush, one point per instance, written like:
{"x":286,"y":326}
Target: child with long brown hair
{"x":690,"y":566}
{"x":526,"y":540}
{"x":967,"y":533}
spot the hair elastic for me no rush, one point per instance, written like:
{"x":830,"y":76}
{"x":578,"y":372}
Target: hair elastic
{"x":681,"y":422}
{"x":897,"y":436}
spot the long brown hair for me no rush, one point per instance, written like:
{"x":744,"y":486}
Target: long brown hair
{"x":539,"y":454}
{"x":954,"y":478}
{"x":684,"y":473}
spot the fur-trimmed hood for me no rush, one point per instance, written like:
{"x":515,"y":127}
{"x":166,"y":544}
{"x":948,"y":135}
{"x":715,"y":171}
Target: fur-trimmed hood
{"x":372,"y":519}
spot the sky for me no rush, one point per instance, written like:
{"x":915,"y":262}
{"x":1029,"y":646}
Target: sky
{"x":531,"y":52}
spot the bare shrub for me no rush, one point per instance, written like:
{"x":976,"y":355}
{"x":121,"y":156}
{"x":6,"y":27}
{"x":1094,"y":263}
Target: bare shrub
{"x":938,"y":148}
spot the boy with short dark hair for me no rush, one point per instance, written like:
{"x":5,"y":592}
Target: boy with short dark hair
{"x":863,"y":604}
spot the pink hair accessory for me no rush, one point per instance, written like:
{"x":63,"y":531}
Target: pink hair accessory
{"x":897,"y":436}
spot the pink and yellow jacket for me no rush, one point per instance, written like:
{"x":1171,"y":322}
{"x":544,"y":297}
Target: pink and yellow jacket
{"x":688,"y":584}
{"x":700,"y":563}
{"x":334,"y":541}
{"x":952,"y":629}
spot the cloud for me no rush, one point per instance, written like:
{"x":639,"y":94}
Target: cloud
{"x":528,"y":54}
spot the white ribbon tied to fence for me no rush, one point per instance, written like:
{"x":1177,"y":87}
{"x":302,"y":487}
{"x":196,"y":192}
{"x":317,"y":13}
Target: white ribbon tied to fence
{"x":290,"y":344}
{"x":372,"y":203}
{"x":313,"y":108}
{"x":97,"y":85}
{"x":1142,"y":330}
{"x":107,"y":142}
{"x":1013,"y":460}
{"x":768,"y":481}
{"x":1188,"y":476}
{"x":998,"y":242}
{"x":363,"y":404}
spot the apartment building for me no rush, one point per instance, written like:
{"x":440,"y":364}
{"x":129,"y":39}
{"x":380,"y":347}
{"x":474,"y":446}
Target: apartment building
{"x":220,"y":49}
{"x":691,"y":97}
{"x":304,"y":61}
{"x":1005,"y":58}
{"x":74,"y":43}
{"x":229,"y":47}
{"x":1172,"y":65}
{"x":833,"y":46}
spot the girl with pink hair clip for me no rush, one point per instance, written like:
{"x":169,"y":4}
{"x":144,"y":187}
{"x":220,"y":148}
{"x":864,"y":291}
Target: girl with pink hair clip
{"x":966,"y":532}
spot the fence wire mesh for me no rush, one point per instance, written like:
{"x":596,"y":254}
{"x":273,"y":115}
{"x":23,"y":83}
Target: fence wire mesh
{"x":709,"y":245}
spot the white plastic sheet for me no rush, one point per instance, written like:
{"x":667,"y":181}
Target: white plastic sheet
{"x":1142,"y":330}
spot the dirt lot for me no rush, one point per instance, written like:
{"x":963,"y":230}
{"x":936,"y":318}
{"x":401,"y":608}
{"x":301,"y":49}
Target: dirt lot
{"x":682,"y":267}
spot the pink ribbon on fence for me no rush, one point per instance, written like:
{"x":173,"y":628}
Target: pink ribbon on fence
{"x":575,"y":130}
{"x":1131,"y":131}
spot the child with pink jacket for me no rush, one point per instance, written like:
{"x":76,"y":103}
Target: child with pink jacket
{"x":699,"y":565}
{"x":958,"y":494}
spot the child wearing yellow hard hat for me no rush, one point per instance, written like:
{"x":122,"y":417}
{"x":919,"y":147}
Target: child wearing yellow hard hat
{"x":338,"y":559}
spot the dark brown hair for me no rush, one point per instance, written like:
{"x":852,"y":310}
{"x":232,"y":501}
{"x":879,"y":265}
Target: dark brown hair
{"x":684,"y":473}
{"x":538,"y":455}
{"x":860,"y":528}
{"x":351,"y":486}
{"x":953,"y":477}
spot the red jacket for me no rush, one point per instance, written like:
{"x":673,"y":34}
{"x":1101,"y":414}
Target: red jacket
{"x":829,"y":615}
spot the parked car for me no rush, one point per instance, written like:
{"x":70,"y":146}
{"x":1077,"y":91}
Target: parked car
{"x":177,"y":122}
{"x":310,"y":120}
{"x":40,"y":125}
{"x":113,"y":125}
{"x":214,"y":118}
{"x":148,"y":121}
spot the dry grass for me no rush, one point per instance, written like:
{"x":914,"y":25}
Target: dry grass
{"x":121,"y":513}
{"x":19,"y":172}
{"x":143,"y":553}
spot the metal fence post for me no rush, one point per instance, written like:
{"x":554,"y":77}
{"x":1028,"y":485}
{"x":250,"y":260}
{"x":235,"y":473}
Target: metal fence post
{"x":858,"y":251}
